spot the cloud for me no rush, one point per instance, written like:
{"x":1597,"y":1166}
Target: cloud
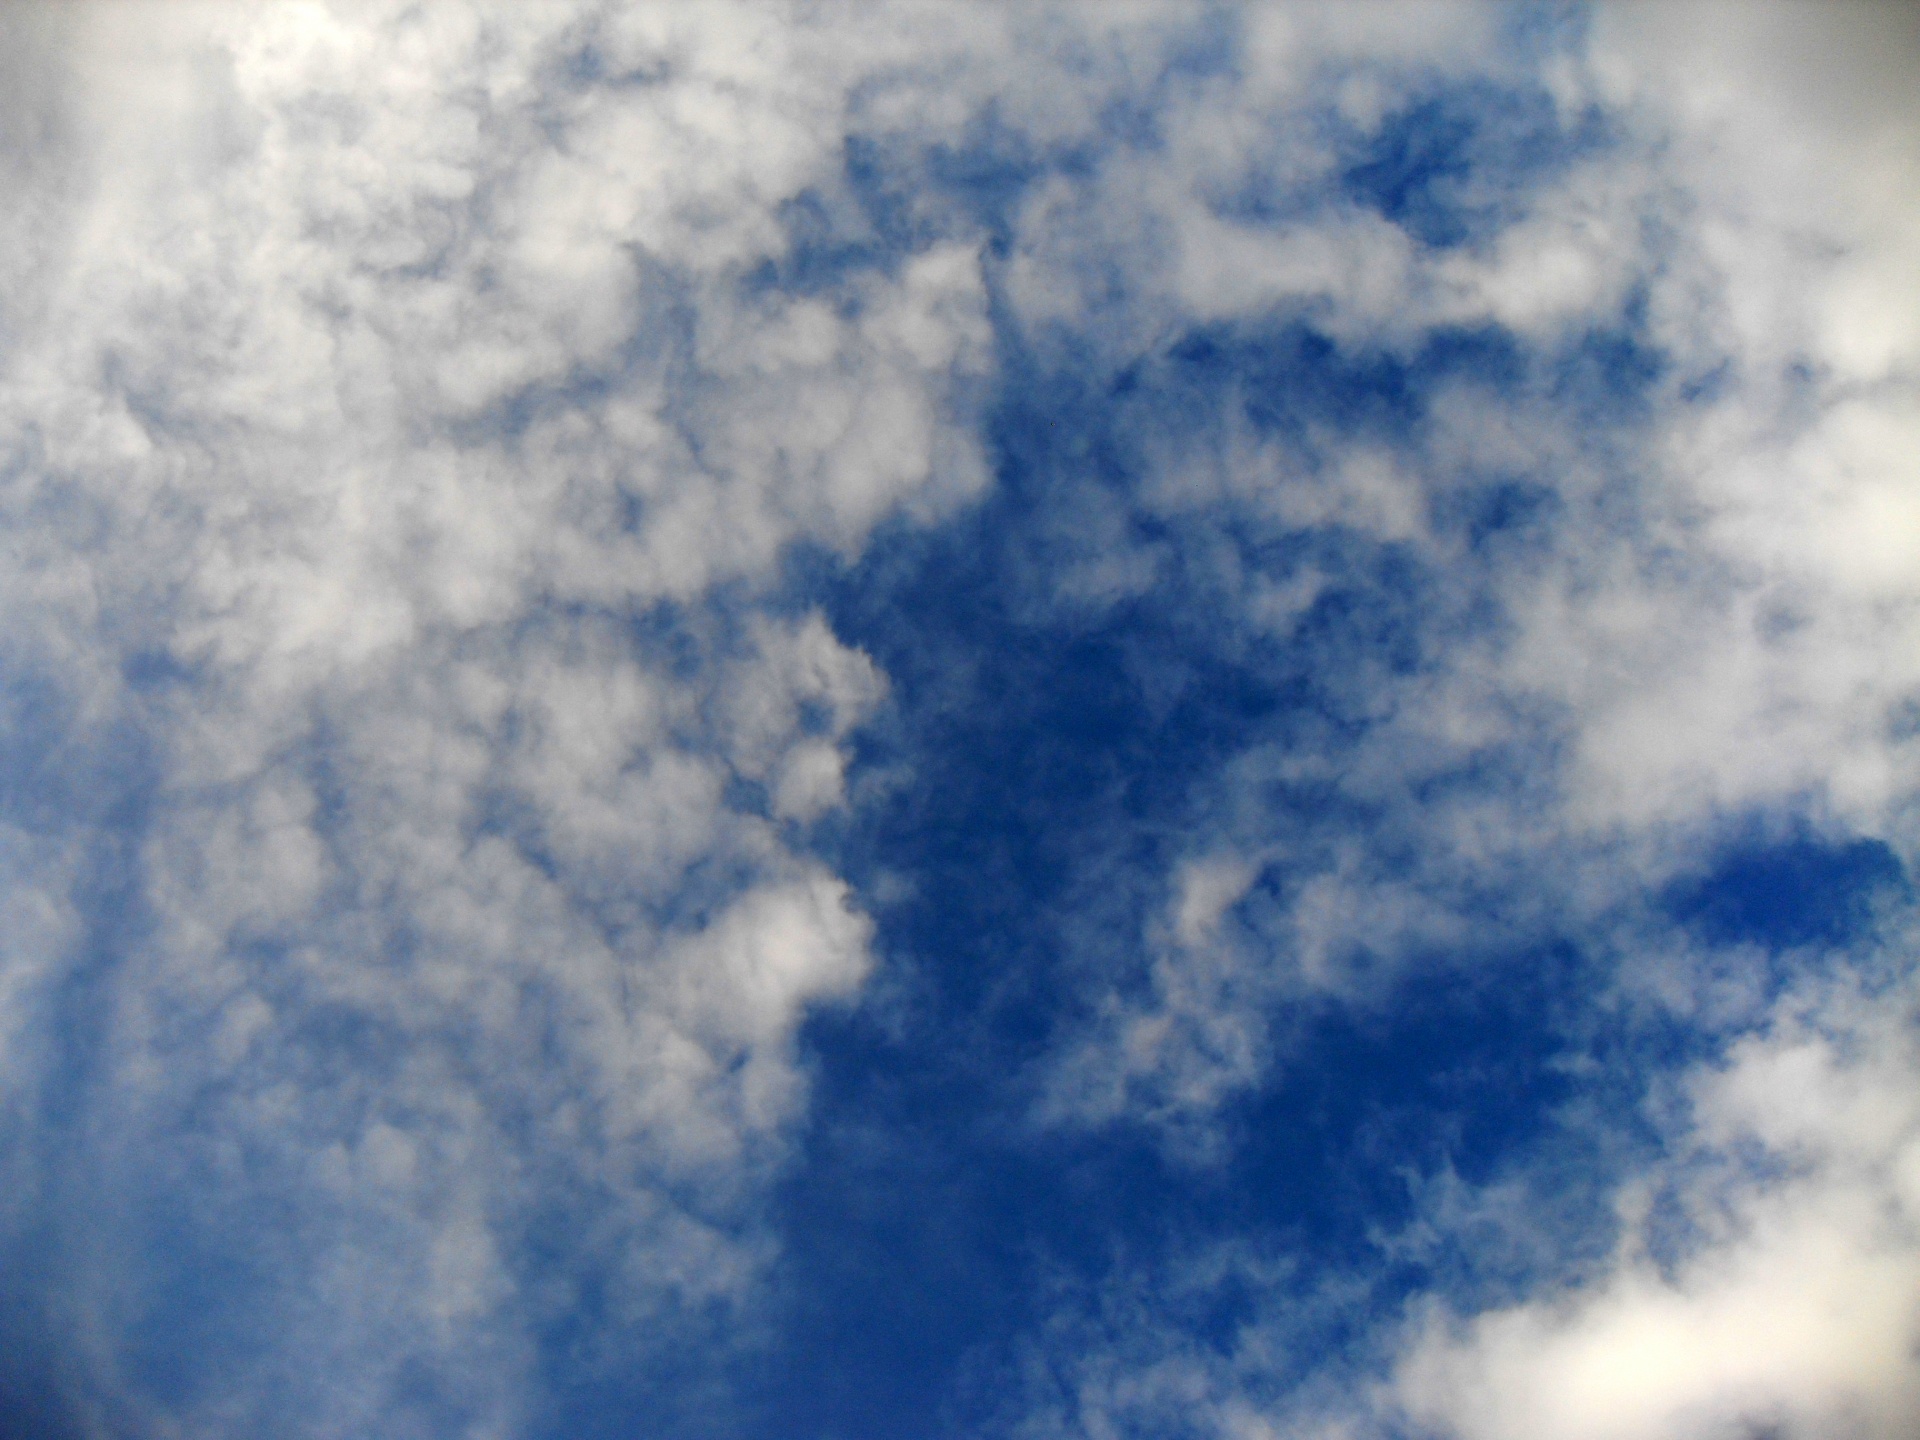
{"x":1628,"y":497}
{"x":1784,"y":1302}
{"x":1555,"y":530}
{"x":418,"y":744}
{"x":408,"y":947}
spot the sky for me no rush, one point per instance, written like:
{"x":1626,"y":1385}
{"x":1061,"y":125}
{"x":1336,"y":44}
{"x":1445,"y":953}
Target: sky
{"x":959,"y":722}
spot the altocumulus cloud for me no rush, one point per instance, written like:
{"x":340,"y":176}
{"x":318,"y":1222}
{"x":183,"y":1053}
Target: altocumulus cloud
{"x":408,"y":757}
{"x":1045,"y":720}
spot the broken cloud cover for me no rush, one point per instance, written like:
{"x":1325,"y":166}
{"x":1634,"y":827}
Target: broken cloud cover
{"x":954,"y":720}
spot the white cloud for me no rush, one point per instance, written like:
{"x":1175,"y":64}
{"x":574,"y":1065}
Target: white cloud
{"x":397,"y":394}
{"x":1765,"y":1280}
{"x":1792,"y":1308}
{"x":1717,"y":621}
{"x":375,"y":377}
{"x":1718,"y":616}
{"x":1768,"y":656}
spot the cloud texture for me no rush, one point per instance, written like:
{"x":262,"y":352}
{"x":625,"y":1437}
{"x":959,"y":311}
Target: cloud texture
{"x":551,"y":549}
{"x":399,"y":451}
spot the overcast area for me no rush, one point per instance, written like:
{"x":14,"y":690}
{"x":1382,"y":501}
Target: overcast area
{"x":910,"y":721}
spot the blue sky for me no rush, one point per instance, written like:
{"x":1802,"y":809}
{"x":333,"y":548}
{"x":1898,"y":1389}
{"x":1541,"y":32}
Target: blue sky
{"x":1034,"y":722}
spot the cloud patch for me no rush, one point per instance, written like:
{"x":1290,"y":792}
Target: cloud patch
{"x":400,"y":456}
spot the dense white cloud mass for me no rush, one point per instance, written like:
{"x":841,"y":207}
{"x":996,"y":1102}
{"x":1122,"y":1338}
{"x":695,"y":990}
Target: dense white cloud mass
{"x":408,"y":415}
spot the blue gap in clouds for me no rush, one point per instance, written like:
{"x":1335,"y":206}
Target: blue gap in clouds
{"x":1457,"y":1070}
{"x":1609,"y":378}
{"x":1036,"y":776}
{"x":980,"y":183}
{"x":1784,"y":892}
{"x":64,"y":782}
{"x":32,"y":1403}
{"x":912,"y":193}
{"x":1293,"y":380}
{"x":1041,"y":765}
{"x":1451,"y":168}
{"x":1047,"y":782}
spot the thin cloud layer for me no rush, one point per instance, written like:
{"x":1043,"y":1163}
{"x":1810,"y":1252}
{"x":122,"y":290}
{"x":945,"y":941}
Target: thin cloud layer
{"x":1246,"y":678}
